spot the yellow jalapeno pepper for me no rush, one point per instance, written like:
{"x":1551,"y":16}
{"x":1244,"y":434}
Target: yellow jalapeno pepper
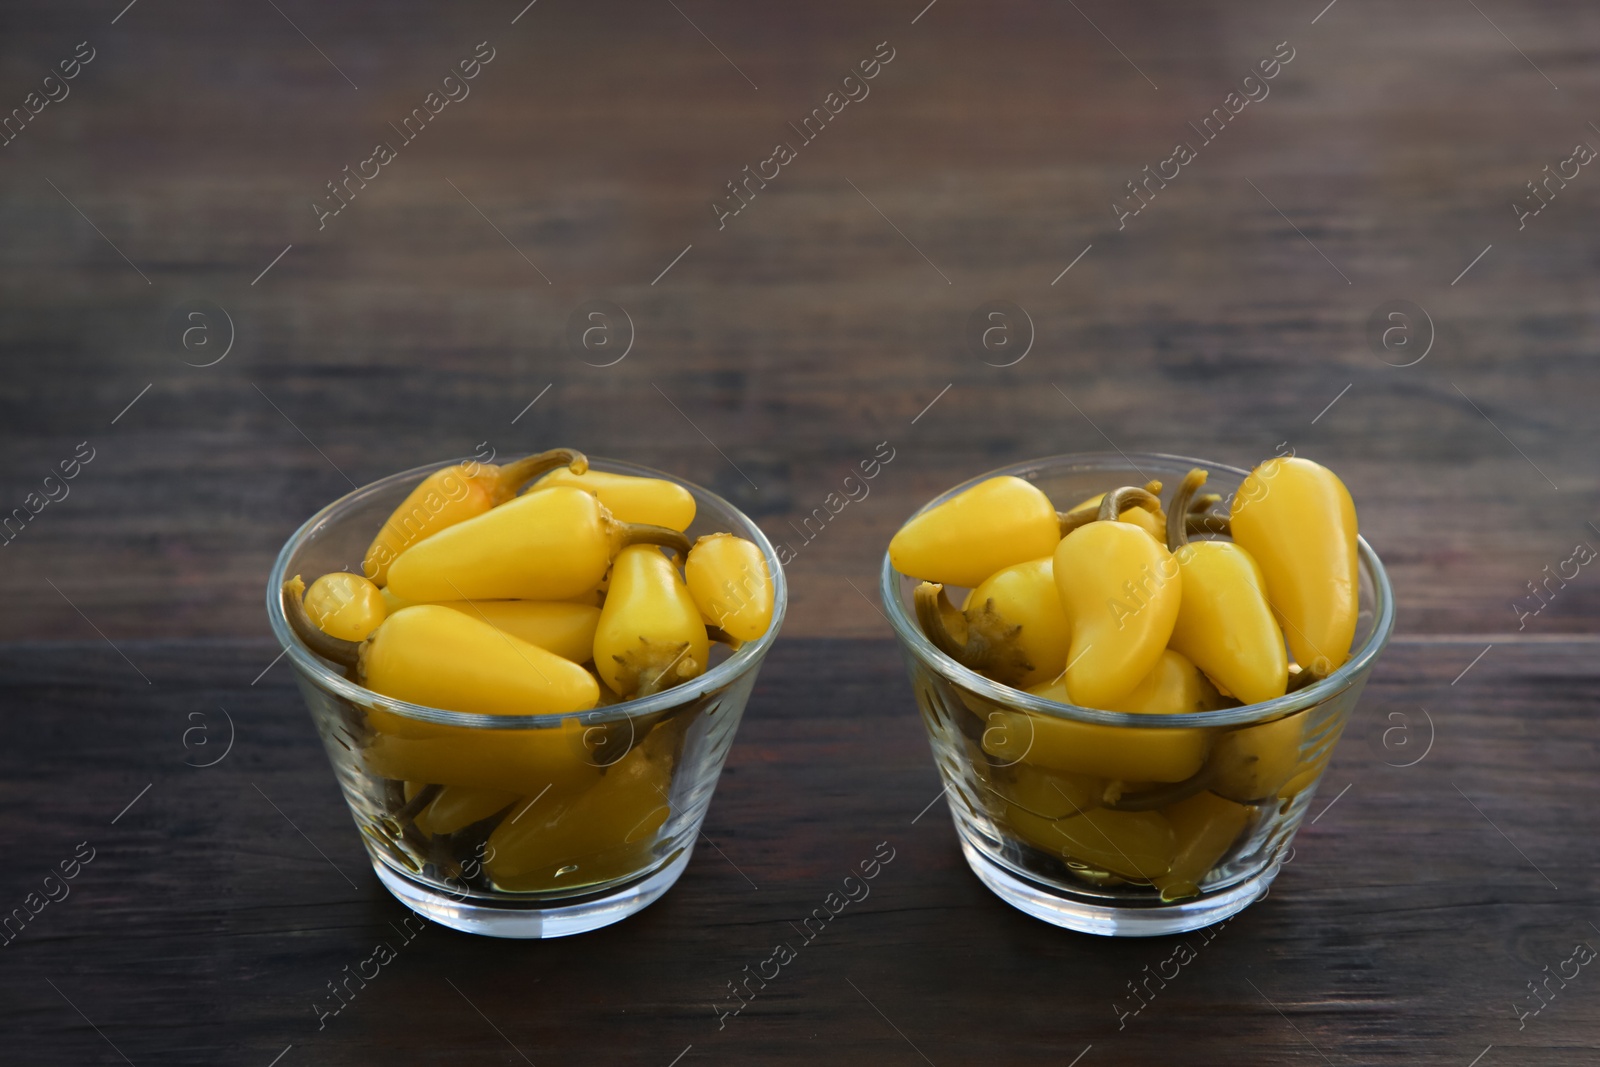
{"x":454,"y":807}
{"x":550,"y":544}
{"x":1314,"y":757}
{"x":456,"y":647}
{"x":519,"y":762}
{"x":443,"y":658}
{"x":1133,"y":844}
{"x":1297,"y":520}
{"x":560,"y":626}
{"x":1012,"y":626}
{"x":345,"y":605}
{"x":1138,"y":845}
{"x":437,"y":656}
{"x":1315,"y":747}
{"x":962,"y":541}
{"x":1121,"y":590}
{"x":1224,"y":625}
{"x":728,"y":578}
{"x":651,"y":635}
{"x":1254,"y":762}
{"x":605,"y":832}
{"x":592,"y":598}
{"x":1204,"y":828}
{"x":1112,"y":752}
{"x":1048,"y":794}
{"x":630,"y":498}
{"x":454,"y":494}
{"x":1174,"y":686}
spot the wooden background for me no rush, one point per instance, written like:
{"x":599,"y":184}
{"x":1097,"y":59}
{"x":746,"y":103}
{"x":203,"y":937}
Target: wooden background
{"x":770,"y":359}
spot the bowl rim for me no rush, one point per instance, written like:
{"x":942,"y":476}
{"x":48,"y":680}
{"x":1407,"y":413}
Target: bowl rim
{"x":312,"y":666}
{"x":916,"y":642}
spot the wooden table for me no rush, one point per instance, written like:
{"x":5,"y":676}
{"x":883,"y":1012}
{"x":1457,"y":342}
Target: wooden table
{"x":1242,"y":311}
{"x":1417,"y":905}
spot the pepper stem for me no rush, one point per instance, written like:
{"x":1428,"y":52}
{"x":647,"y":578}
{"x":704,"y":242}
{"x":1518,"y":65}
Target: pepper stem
{"x":1305,"y":676}
{"x":932,"y":605}
{"x":519,"y":472}
{"x":1207,"y":524}
{"x":345,"y":653}
{"x":1114,"y":503}
{"x":1084,"y":514}
{"x":413,"y":807}
{"x":721,"y":636}
{"x":642,"y":533}
{"x":1178,"y":516}
{"x":990,"y":643}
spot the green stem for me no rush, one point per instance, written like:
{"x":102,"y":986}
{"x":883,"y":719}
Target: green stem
{"x":519,"y":472}
{"x":931,"y":603}
{"x":1082,"y":515}
{"x":721,"y":636}
{"x":1303,"y":677}
{"x":1208,"y":524}
{"x":1177,"y":516}
{"x":990,"y":646}
{"x":642,"y":533}
{"x":1114,"y":503}
{"x":413,"y":807}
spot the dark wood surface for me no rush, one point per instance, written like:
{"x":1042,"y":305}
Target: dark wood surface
{"x":1403,"y":930}
{"x":807,"y":330}
{"x":1229,"y":317}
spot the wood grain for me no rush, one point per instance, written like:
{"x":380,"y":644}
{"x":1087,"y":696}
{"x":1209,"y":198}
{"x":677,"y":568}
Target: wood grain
{"x":807,"y":330}
{"x":1402,"y":931}
{"x":1228,"y":317}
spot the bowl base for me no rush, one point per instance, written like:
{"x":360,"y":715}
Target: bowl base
{"x":530,"y":920}
{"x":1059,"y":908}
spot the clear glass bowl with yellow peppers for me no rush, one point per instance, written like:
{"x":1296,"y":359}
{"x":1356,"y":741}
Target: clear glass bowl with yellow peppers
{"x":527,"y":677}
{"x":1133,"y":671}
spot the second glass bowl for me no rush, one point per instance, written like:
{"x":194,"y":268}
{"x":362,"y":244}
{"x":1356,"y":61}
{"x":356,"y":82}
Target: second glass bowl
{"x":1112,"y":823}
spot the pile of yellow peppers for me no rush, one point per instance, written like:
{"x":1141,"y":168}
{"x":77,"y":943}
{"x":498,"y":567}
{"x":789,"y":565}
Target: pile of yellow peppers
{"x":1110,"y":605}
{"x":486,"y":594}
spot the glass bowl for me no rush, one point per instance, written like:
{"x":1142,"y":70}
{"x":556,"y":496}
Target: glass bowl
{"x":1124,"y":824}
{"x":537,"y":825}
